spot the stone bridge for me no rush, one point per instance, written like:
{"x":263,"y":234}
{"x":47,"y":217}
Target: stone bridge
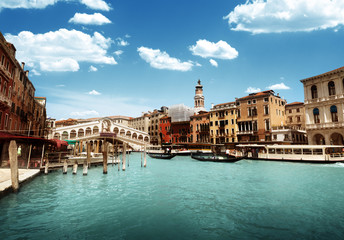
{"x":96,"y":130}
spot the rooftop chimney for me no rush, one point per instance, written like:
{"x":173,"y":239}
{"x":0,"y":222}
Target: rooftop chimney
{"x":23,"y":64}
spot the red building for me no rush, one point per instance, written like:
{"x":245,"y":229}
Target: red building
{"x":165,"y":130}
{"x":181,"y":132}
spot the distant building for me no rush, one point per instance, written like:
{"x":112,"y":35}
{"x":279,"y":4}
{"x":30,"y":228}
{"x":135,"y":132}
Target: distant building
{"x":295,"y":115}
{"x":154,"y":121}
{"x":223,"y":123}
{"x":257,"y":114}
{"x":199,"y":128}
{"x":140,"y":123}
{"x":181,"y":133}
{"x":199,"y":98}
{"x":165,"y":130}
{"x":324,"y":107}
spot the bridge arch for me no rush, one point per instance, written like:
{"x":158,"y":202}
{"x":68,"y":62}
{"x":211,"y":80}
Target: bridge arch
{"x":57,"y":136}
{"x":134,"y":136}
{"x":72,"y":134}
{"x":116,"y":130}
{"x":146,"y":139}
{"x":65,"y":135}
{"x":81,"y":132}
{"x":88,"y":131}
{"x":95,"y":130}
{"x":128,"y":134}
{"x":122,"y":132}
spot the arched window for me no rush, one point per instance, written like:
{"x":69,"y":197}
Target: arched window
{"x":316,"y":115}
{"x":331,"y":88}
{"x":334,"y":114}
{"x":314,"y":92}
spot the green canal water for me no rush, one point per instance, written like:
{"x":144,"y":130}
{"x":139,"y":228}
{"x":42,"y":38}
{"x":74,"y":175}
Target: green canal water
{"x":181,"y":199}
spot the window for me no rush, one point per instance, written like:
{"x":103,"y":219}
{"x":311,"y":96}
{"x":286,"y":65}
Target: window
{"x":232,"y":130}
{"x":331,"y":88}
{"x":316,"y":115}
{"x":254,"y":101}
{"x":314,"y":92}
{"x":267,"y":124}
{"x":298,"y":119}
{"x":266,"y":109}
{"x":290,"y":110}
{"x":266,"y":99}
{"x":298,"y":110}
{"x":249,"y":102}
{"x":6,"y":120}
{"x":334,"y":114}
{"x":3,"y":60}
{"x":290,"y":119}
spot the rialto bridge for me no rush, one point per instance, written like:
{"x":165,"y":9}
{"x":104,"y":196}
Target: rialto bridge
{"x":95,"y":132}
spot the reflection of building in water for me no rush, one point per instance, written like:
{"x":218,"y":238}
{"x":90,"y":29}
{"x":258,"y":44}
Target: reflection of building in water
{"x":324,"y":107}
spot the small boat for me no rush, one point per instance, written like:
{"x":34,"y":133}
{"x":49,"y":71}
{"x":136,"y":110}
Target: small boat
{"x":161,"y":155}
{"x":215,"y":158}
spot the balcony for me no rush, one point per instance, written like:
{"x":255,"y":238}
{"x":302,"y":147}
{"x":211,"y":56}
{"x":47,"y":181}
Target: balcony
{"x":5,"y":71}
{"x":328,"y":125}
{"x":249,"y":132}
{"x":5,"y":100}
{"x":323,"y":99}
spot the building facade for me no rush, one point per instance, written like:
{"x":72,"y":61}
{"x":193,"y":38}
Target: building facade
{"x":295,"y":115}
{"x":199,"y":128}
{"x":20,"y":113}
{"x":324,"y":107}
{"x":223,"y":123}
{"x":165,"y":130}
{"x":257,"y":114}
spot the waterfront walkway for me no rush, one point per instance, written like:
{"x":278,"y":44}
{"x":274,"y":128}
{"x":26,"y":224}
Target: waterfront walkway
{"x":5,"y":177}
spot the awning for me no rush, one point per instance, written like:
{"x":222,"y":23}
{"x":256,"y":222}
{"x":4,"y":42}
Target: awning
{"x":71,"y":142}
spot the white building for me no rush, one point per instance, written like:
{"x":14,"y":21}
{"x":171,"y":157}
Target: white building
{"x":324,"y":105}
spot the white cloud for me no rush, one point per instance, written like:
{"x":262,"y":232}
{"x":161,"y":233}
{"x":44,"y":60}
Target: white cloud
{"x":89,"y":19}
{"x":60,"y":85}
{"x":61,"y":50}
{"x":276,"y":16}
{"x":121,"y":42}
{"x":161,"y":60}
{"x":252,"y":90}
{"x":279,"y":86}
{"x":40,"y":4}
{"x":34,"y":71}
{"x":94,"y":92}
{"x":118,"y":52}
{"x":62,"y":65}
{"x":96,"y":4}
{"x":89,"y":113}
{"x":213,"y":62}
{"x":92,"y":69}
{"x":221,"y":49}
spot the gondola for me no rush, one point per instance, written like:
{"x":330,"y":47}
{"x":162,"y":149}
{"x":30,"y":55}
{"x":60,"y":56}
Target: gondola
{"x":215,"y":158}
{"x":161,"y":155}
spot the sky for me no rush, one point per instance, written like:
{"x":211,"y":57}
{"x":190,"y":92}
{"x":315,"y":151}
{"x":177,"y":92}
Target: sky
{"x":97,"y":58}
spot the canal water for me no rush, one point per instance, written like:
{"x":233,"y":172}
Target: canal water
{"x":181,"y":199}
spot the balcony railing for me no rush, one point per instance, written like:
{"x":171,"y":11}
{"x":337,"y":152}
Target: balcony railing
{"x":325,"y":125}
{"x":5,"y":99}
{"x":249,"y":132}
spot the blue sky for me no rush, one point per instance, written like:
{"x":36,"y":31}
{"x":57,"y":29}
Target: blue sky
{"x":99,"y":58}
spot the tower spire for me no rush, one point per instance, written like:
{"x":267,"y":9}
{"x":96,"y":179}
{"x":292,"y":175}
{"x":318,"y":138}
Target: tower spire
{"x":199,"y":98}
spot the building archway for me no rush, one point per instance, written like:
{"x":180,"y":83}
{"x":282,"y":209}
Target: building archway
{"x":65,"y":135}
{"x":95,"y":130}
{"x":134,"y":136}
{"x":319,"y":139}
{"x":57,"y":136}
{"x":81,"y":132}
{"x":116,"y":130}
{"x":73,"y":134}
{"x":122,"y":132}
{"x":336,"y":139}
{"x":88,"y":131}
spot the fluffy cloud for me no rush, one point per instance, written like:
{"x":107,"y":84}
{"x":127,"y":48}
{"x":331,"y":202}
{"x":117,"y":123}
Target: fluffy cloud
{"x":279,"y":86}
{"x":276,"y":16}
{"x":161,"y":60}
{"x":26,"y":3}
{"x":85,"y":113}
{"x":61,"y":50}
{"x":221,"y":49}
{"x":121,"y":42}
{"x":94,"y":92}
{"x":89,"y":19}
{"x":213,"y":62}
{"x":252,"y":90}
{"x":118,"y":52}
{"x":96,"y":4}
{"x":92,"y":69}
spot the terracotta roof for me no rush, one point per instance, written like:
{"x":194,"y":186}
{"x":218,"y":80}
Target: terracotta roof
{"x":341,"y":69}
{"x":224,"y":104}
{"x":258,"y":94}
{"x":294,"y":103}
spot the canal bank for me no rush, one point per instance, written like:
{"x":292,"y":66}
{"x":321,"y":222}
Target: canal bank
{"x":5,"y":178}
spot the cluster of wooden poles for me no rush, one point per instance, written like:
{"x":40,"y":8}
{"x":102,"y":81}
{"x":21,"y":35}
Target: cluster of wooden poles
{"x":105,"y":151}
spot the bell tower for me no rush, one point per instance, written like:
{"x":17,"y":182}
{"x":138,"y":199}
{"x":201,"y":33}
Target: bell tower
{"x":199,"y":98}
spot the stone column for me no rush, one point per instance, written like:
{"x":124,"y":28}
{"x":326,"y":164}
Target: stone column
{"x":13,"y":151}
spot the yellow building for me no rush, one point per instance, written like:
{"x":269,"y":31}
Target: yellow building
{"x":223,"y":127}
{"x":257,"y":114}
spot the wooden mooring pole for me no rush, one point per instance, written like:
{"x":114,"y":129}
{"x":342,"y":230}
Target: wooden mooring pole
{"x":13,"y":154}
{"x":124,"y":155}
{"x":105,"y":157}
{"x":75,"y":167}
{"x":65,"y":166}
{"x":87,"y":160}
{"x":145,"y":157}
